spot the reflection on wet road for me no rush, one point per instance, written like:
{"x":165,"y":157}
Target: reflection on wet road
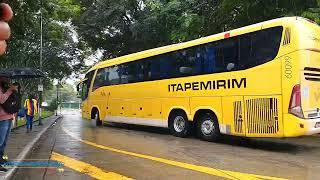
{"x":152,"y":153}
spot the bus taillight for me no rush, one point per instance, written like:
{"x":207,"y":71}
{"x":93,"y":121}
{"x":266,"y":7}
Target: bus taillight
{"x":295,"y":102}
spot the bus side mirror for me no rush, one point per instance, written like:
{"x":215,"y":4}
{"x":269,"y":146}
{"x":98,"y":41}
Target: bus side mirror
{"x":78,"y":91}
{"x":78,"y":88}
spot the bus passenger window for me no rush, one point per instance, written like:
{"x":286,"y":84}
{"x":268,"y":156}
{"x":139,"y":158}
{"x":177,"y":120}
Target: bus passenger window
{"x":155,"y":69}
{"x":84,"y":92}
{"x":259,"y":47}
{"x":146,"y":70}
{"x":214,"y":61}
{"x":101,"y":79}
{"x":246,"y":59}
{"x":89,"y":78}
{"x":267,"y":44}
{"x":123,"y":73}
{"x":139,"y":71}
{"x":230,"y":53}
{"x":114,"y":75}
{"x":184,"y":62}
{"x":132,"y":72}
{"x":167,"y":67}
{"x":210,"y":60}
{"x":198,"y":64}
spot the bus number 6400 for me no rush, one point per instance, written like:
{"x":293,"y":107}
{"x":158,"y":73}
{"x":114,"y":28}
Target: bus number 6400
{"x":288,"y":67}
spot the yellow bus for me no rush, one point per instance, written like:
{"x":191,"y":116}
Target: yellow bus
{"x":262,"y":80}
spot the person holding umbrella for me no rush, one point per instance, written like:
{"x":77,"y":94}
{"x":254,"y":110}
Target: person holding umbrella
{"x":5,"y":118}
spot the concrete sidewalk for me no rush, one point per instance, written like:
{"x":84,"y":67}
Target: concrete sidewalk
{"x":21,"y":143}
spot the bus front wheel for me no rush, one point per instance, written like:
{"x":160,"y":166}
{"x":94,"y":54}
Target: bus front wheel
{"x":97,"y":120}
{"x":208,"y":127}
{"x":179,"y":124}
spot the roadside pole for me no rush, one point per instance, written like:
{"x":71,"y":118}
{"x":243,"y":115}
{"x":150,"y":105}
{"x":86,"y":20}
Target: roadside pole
{"x":40,"y":89}
{"x":60,"y":107}
{"x":59,"y":87}
{"x":57,"y":102}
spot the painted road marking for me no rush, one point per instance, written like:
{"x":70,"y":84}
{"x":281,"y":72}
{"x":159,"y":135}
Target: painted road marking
{"x":203,"y":169}
{"x":86,"y":168}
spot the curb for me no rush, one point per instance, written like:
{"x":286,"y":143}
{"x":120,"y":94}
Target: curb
{"x":27,"y":149}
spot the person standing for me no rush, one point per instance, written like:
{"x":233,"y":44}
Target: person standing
{"x":31,"y":108}
{"x":5,"y":122}
{"x":5,"y":118}
{"x":15,"y":116}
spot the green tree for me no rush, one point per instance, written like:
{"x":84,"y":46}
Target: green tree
{"x":125,"y":26}
{"x":66,"y":94}
{"x":63,"y":54}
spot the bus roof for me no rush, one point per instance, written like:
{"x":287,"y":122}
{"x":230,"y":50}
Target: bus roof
{"x":183,"y":45}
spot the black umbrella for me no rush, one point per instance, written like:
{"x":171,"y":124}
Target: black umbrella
{"x":16,"y":73}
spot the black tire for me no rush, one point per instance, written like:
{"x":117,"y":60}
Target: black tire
{"x":179,"y":124}
{"x":208,"y":127}
{"x":97,"y":120}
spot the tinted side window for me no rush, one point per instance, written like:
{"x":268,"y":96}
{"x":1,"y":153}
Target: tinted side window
{"x":231,"y":54}
{"x":176,"y":64}
{"x":168,"y":67}
{"x":186,"y":62}
{"x":86,"y":85}
{"x":84,"y":91}
{"x":89,"y":76}
{"x":125,"y":73}
{"x":226,"y":55}
{"x":259,"y":47}
{"x":147,"y":69}
{"x":102,"y":78}
{"x":140,"y":70}
{"x":246,"y":52}
{"x":209,"y":59}
{"x":132,"y":72}
{"x":154,"y":67}
{"x":114,"y":75}
{"x":137,"y":71}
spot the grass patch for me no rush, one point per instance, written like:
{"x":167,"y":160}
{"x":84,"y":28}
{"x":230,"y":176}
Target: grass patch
{"x":45,"y":114}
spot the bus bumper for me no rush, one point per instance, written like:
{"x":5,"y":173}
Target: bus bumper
{"x":313,"y":126}
{"x":294,"y":126}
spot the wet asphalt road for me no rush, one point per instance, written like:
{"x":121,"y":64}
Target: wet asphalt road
{"x":297,"y":158}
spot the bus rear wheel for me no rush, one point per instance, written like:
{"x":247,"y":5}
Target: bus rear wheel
{"x":179,"y":124}
{"x":97,"y":119}
{"x":208,"y":127}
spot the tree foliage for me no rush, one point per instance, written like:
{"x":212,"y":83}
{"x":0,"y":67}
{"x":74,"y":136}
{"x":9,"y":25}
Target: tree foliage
{"x":125,"y":26}
{"x":73,"y":29}
{"x":60,"y":51}
{"x":66,"y":93}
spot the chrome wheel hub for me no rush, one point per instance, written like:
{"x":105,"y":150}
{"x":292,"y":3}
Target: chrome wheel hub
{"x":179,"y":124}
{"x":207,"y":127}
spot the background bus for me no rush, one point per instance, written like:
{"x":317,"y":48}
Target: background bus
{"x":257,"y":81}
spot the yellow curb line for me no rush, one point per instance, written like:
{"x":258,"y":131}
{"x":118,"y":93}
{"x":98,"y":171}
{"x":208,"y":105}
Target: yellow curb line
{"x":86,"y":168}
